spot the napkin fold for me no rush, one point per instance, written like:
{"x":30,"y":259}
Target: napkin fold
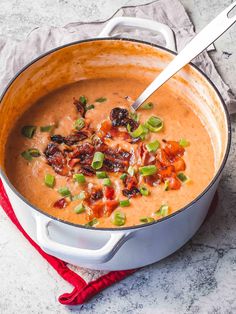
{"x":14,"y":55}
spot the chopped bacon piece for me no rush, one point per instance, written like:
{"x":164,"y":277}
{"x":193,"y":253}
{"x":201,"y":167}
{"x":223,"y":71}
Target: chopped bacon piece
{"x":179,"y":164}
{"x":131,"y":193}
{"x":87,"y":170}
{"x":95,"y":210}
{"x":174,"y":183}
{"x":96,"y":194}
{"x":152,"y":180}
{"x":110,"y":206}
{"x":81,"y":108}
{"x":119,"y":116}
{"x":162,"y":157}
{"x":116,"y":133}
{"x":61,"y":203}
{"x":166,"y":171}
{"x":106,"y":126}
{"x":56,"y":159}
{"x":146,"y":158}
{"x":75,"y":138}
{"x":109,"y":192}
{"x":172,"y":148}
{"x":130,"y":182}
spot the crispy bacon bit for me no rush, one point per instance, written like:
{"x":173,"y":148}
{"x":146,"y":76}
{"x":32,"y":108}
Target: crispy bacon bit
{"x":131,"y":193}
{"x":87,"y":170}
{"x":75,"y":138}
{"x":133,"y":124}
{"x":162,"y":157}
{"x":146,"y":158}
{"x":166,"y":171}
{"x":61,"y":203}
{"x":80,"y":107}
{"x":57,"y":139}
{"x":172,"y":148}
{"x":106,"y":126}
{"x":174,"y":183}
{"x":119,"y":116}
{"x":56,"y":159}
{"x":96,"y":194}
{"x":115,"y":133}
{"x":152,"y":180}
{"x":130,"y":182}
{"x":179,"y":164}
{"x":109,"y":192}
{"x":95,"y":210}
{"x":110,"y":206}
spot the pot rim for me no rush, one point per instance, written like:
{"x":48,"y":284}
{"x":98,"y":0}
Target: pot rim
{"x":211,"y":183}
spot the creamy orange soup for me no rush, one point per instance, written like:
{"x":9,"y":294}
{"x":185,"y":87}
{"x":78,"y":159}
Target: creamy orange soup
{"x":77,"y":158}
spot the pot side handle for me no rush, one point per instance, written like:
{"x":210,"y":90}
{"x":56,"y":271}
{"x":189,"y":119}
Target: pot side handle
{"x":88,"y":256}
{"x":147,"y":24}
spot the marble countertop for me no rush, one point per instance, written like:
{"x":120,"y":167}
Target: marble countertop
{"x":199,"y":278}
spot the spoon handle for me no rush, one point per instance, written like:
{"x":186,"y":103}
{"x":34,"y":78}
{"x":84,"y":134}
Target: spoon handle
{"x":199,"y":43}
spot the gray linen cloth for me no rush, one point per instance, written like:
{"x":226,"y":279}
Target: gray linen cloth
{"x":14,"y":55}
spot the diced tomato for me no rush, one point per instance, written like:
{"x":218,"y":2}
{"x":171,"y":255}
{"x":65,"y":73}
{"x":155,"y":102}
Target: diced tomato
{"x":61,"y":203}
{"x":110,"y":206}
{"x":174,"y":183}
{"x":109,"y":192}
{"x":179,"y":164}
{"x":106,"y":126}
{"x":166,"y":172}
{"x":95,"y":210}
{"x":172,"y":148}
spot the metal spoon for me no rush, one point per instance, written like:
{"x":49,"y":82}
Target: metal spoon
{"x":199,"y":43}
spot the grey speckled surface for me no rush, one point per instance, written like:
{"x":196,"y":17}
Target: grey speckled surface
{"x":199,"y":278}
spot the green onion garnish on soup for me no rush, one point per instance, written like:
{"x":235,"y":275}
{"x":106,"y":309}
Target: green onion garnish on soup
{"x":146,"y":219}
{"x":28,"y":131}
{"x":101,"y":174}
{"x":83,"y":100}
{"x":30,"y":153}
{"x":154,"y":124}
{"x":148,"y":170}
{"x":183,"y":142}
{"x":79,"y":209}
{"x":182,"y":177}
{"x":79,"y":124}
{"x":144,"y":191}
{"x":101,"y":99}
{"x":47,"y":128}
{"x":92,"y":222}
{"x":153,"y":146}
{"x":97,"y":160}
{"x":79,"y":177}
{"x":125,"y":203}
{"x":80,"y":196}
{"x":89,"y":107}
{"x":131,"y":171}
{"x":49,"y":180}
{"x":118,"y":218}
{"x":64,"y":191}
{"x":134,"y":116}
{"x":106,"y":182}
{"x":163,"y":210}
{"x":166,"y":185}
{"x":147,"y":106}
{"x":123,"y":176}
{"x":141,"y":131}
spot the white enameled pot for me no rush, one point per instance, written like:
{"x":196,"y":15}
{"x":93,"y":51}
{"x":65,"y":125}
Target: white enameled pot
{"x":124,"y":248}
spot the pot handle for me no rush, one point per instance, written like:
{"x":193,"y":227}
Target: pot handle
{"x":89,"y":256}
{"x":147,"y":24}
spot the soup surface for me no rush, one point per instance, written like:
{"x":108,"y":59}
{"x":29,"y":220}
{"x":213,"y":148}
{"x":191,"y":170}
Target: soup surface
{"x":81,"y":155}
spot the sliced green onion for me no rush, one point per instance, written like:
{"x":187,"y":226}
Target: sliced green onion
{"x":182,"y":177}
{"x":79,"y":209}
{"x":183,"y":142}
{"x":163,"y":210}
{"x":166,"y":185}
{"x":123,"y":176}
{"x":125,"y":203}
{"x":83,"y":100}
{"x":101,"y":174}
{"x":89,"y":107}
{"x":28,"y":131}
{"x":153,"y":146}
{"x":107,"y":182}
{"x":79,"y":177}
{"x":118,"y":218}
{"x":148,"y":170}
{"x":92,"y":222}
{"x":144,"y":191}
{"x":101,"y":99}
{"x":146,"y":219}
{"x":49,"y":180}
{"x":131,"y":171}
{"x":140,"y":131}
{"x":154,"y":124}
{"x":79,"y":124}
{"x":147,"y":106}
{"x":80,"y":196}
{"x":47,"y":128}
{"x":29,"y":153}
{"x":97,"y":160}
{"x":134,"y":116}
{"x":64,"y":191}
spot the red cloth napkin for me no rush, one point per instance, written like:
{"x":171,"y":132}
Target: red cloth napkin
{"x":83,"y":291}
